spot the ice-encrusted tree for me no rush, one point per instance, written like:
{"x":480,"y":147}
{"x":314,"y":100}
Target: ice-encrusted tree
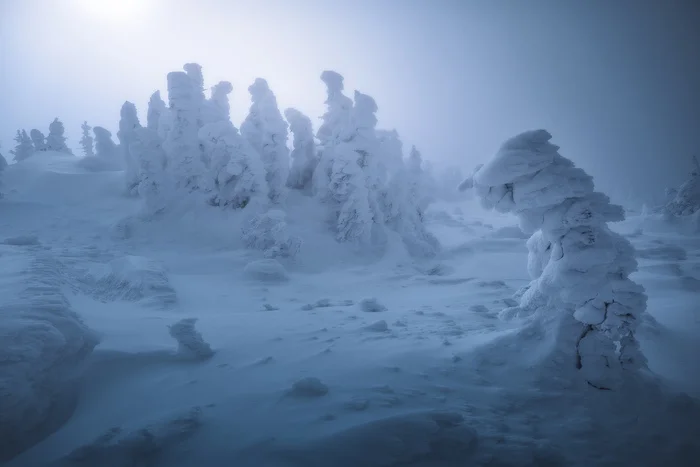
{"x":353,"y":185}
{"x":105,"y":148}
{"x":686,"y":200}
{"x":86,"y":140}
{"x":56,"y":141}
{"x":236,"y":173}
{"x":334,"y":120}
{"x":304,"y":155}
{"x":402,"y":203}
{"x":147,"y":151}
{"x":266,"y":131}
{"x":182,"y":145}
{"x":580,"y":293}
{"x":24,"y":147}
{"x":128,"y":124}
{"x":268,"y":232}
{"x":38,"y":140}
{"x":194,"y":71}
{"x":217,"y":108}
{"x":156,"y":109}
{"x":391,"y":151}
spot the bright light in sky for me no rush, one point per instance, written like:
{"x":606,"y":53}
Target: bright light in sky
{"x":113,"y":10}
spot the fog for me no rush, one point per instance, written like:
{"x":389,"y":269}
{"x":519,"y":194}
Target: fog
{"x":614,"y":82}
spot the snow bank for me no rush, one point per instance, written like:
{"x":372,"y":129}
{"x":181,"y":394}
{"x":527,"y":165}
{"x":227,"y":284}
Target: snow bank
{"x":42,"y":346}
{"x":131,"y":278}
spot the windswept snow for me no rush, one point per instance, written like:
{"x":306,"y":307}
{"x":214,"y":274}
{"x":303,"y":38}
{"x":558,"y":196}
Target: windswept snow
{"x":288,"y":368}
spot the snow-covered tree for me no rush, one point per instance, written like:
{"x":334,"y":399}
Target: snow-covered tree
{"x":266,"y":131}
{"x":217,"y":107}
{"x":182,"y":144}
{"x":86,"y":140}
{"x":391,"y":152}
{"x":236,"y":172}
{"x":105,"y":148}
{"x":580,"y":293}
{"x":354,"y":175}
{"x":128,"y":124}
{"x":268,"y":232}
{"x":194,"y":71}
{"x":56,"y":141}
{"x":3,"y":166}
{"x":403,"y":205}
{"x":686,"y":200}
{"x":153,"y":187}
{"x":38,"y":140}
{"x":24,"y":147}
{"x":336,"y":117}
{"x":304,"y":155}
{"x":156,"y":109}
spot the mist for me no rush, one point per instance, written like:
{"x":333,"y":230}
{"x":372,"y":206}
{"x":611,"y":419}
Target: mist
{"x":614,"y":82}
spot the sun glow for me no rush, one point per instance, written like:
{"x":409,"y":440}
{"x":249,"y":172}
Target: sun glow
{"x":113,"y":10}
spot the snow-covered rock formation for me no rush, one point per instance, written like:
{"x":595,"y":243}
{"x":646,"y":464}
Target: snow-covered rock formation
{"x":580,"y":291}
{"x":266,"y":131}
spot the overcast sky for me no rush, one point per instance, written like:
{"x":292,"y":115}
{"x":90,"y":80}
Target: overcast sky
{"x":616,"y":82}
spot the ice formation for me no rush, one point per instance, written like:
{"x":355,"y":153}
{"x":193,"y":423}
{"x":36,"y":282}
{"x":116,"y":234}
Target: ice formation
{"x":580,"y":268}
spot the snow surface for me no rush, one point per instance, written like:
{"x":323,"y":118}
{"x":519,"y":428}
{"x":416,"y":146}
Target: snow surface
{"x":294,"y":372}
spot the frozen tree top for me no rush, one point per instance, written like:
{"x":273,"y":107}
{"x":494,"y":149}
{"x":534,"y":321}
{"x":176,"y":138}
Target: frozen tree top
{"x":364,"y":103}
{"x":259,"y":89}
{"x":523,"y":154}
{"x":223,"y":87}
{"x":333,"y":80}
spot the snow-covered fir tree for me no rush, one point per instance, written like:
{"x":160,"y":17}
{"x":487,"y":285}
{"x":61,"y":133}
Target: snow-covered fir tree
{"x":391,"y":150}
{"x":268,"y":232}
{"x":56,"y":141}
{"x":153,"y":185}
{"x":334,"y":120}
{"x":354,"y":175}
{"x":581,"y":294}
{"x":86,"y":140}
{"x":236,"y":172}
{"x":304,"y":155}
{"x":24,"y":147}
{"x":182,"y":143}
{"x":217,"y":108}
{"x":686,"y":200}
{"x":156,"y":109}
{"x":128,"y":124}
{"x":194,"y":71}
{"x":105,"y":148}
{"x":38,"y":140}
{"x":266,"y":131}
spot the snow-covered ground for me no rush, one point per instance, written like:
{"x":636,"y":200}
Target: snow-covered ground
{"x":332,"y":359}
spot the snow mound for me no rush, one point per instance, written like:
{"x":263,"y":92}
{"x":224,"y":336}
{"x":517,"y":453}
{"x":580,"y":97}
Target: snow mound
{"x":378,"y":326}
{"x":371,"y":305}
{"x":403,"y":440}
{"x":43,"y":343}
{"x":131,"y":278}
{"x":22,"y":240}
{"x":190,"y":341}
{"x":266,"y":270}
{"x":308,"y":387}
{"x":120,"y":448}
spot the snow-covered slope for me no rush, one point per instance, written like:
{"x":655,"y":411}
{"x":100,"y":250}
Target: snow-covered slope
{"x":347,"y":361}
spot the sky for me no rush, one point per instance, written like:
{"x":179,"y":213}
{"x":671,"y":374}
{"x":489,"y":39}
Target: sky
{"x":615,"y":82}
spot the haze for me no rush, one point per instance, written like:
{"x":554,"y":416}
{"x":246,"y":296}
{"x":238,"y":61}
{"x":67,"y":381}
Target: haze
{"x":614,"y":82}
